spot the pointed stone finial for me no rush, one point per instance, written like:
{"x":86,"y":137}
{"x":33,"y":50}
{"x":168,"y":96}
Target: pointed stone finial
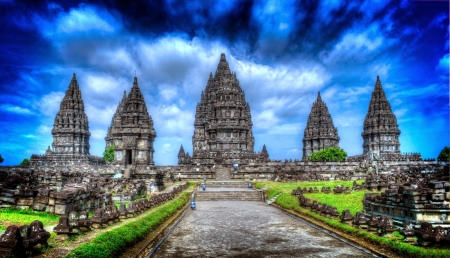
{"x":74,"y":77}
{"x":319,"y":98}
{"x":222,"y":57}
{"x":135,"y":81}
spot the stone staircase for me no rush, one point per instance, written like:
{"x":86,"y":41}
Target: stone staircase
{"x":226,"y":184}
{"x":228,"y":191}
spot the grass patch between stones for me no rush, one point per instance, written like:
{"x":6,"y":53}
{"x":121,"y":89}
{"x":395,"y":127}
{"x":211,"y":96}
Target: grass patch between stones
{"x":25,"y":217}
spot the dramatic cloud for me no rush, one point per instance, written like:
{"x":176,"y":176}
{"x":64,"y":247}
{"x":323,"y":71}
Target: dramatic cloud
{"x":283,"y":52}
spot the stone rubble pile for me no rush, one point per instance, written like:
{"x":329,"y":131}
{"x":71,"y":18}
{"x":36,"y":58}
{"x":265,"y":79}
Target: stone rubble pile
{"x":62,"y":192}
{"x":77,"y":223}
{"x":418,"y":203}
{"x":20,"y":241}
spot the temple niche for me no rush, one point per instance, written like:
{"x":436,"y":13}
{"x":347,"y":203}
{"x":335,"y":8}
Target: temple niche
{"x":131,"y":131}
{"x":223,"y":122}
{"x":381,"y":133}
{"x":320,"y":132}
{"x":70,"y":133}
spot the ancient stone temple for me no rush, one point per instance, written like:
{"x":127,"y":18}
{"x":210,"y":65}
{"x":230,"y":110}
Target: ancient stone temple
{"x":223,"y":121}
{"x":70,"y":132}
{"x":319,"y":132}
{"x":131,"y":131}
{"x":381,"y":131}
{"x":183,"y":157}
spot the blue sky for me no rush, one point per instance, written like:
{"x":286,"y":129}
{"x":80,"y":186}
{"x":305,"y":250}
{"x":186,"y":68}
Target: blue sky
{"x":283,"y":52}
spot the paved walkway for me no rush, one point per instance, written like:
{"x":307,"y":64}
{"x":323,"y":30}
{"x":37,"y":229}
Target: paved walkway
{"x":248,"y":229}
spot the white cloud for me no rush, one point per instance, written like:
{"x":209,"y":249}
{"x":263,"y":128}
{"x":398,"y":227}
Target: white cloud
{"x":400,"y":112}
{"x":265,"y":120}
{"x":443,"y":64}
{"x":16,"y":109}
{"x":49,"y":104}
{"x":45,"y":130}
{"x":98,"y":133}
{"x":168,"y":94}
{"x":289,"y":128}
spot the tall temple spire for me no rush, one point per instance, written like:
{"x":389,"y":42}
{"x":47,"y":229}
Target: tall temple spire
{"x":223,"y":121}
{"x":381,"y":133}
{"x":71,"y":127}
{"x":131,"y":130}
{"x":319,"y":132}
{"x":70,"y":134}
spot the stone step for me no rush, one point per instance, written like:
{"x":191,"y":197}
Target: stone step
{"x":226,"y":184}
{"x":229,"y":196}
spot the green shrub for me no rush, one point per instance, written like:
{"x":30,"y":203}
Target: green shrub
{"x":25,"y":163}
{"x":331,"y":154}
{"x":108,"y":154}
{"x":444,"y":155}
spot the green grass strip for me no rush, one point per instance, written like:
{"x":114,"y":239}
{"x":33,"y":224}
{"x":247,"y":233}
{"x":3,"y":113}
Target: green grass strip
{"x":289,"y":201}
{"x":112,"y":243}
{"x":25,"y":217}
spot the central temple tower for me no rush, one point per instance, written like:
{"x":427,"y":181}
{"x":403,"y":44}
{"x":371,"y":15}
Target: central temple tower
{"x":223,"y":123}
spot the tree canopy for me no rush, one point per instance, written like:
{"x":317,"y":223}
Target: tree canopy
{"x":25,"y":163}
{"x":332,"y":154}
{"x":1,"y":158}
{"x":444,"y":155}
{"x":108,"y":154}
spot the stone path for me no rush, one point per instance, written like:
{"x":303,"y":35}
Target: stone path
{"x":248,"y":229}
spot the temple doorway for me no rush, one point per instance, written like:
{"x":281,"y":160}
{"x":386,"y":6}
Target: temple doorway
{"x":129,"y":157}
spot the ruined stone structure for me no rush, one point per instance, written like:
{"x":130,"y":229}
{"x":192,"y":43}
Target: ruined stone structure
{"x":223,"y":121}
{"x":183,"y":157}
{"x":131,"y":131}
{"x":381,"y":131}
{"x":320,"y":132}
{"x":70,"y":132}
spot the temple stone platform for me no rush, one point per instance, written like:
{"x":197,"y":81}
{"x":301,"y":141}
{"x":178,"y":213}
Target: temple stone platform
{"x":229,"y":191}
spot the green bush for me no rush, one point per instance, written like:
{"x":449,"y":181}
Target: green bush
{"x":444,"y":155}
{"x":108,"y":154}
{"x":111,"y":243}
{"x":25,"y":163}
{"x":331,"y":154}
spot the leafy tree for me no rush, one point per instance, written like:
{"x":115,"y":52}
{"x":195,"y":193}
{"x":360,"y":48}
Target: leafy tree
{"x":1,"y":159}
{"x":444,"y":155}
{"x":108,"y":154}
{"x":25,"y":163}
{"x":332,"y":154}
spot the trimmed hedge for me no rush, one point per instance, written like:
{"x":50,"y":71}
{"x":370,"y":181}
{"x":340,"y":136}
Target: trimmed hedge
{"x":112,"y":243}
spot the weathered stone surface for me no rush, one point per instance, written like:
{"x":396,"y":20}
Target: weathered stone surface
{"x":222,"y":123}
{"x":131,"y":131}
{"x":319,"y":132}
{"x":39,"y":206}
{"x":248,"y":229}
{"x":381,"y":133}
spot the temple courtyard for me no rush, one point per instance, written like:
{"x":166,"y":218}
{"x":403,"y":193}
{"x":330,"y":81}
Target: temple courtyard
{"x":249,"y":229}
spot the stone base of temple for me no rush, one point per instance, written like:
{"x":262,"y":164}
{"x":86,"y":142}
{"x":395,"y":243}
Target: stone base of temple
{"x":65,"y":160}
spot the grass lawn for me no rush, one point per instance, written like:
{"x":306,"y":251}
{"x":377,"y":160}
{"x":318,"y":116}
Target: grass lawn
{"x":352,"y":202}
{"x":25,"y":217}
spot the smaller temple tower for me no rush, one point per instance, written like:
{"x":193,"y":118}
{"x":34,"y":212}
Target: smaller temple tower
{"x":320,"y":132}
{"x":380,"y":125}
{"x":70,"y":134}
{"x":71,"y":127}
{"x":131,"y":131}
